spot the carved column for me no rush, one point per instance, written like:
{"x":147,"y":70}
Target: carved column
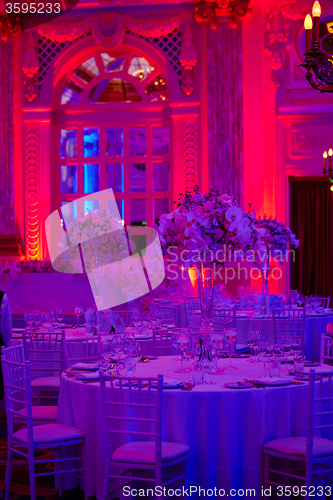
{"x":225,"y":109}
{"x":190,"y":153}
{"x":32,"y":208}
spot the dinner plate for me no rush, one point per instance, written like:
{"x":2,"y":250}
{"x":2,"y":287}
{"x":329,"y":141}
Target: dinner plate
{"x":238,"y":385}
{"x":170,"y":383}
{"x":273,"y":381}
{"x":86,"y":376}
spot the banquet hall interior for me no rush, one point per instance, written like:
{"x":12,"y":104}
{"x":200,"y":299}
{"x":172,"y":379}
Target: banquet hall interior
{"x":166,"y":210}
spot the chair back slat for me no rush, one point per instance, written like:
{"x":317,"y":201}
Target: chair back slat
{"x":76,"y":350}
{"x":326,"y":350}
{"x":162,"y":342}
{"x":224,"y":318}
{"x":44,"y":351}
{"x":168,"y":314}
{"x":192,"y":304}
{"x":132,"y":407}
{"x":288,"y":323}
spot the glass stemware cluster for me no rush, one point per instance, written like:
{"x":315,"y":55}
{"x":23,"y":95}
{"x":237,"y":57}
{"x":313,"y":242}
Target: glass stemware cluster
{"x":288,"y":349}
{"x":120,"y":353}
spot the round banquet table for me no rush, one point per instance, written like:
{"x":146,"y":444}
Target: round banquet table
{"x":225,"y":428}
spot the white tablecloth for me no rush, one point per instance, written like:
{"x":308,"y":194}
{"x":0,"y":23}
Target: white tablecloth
{"x":224,"y":428}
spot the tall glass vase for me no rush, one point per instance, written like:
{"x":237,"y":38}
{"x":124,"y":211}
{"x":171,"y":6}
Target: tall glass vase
{"x":206,"y":281}
{"x":264,"y":276}
{"x":97,"y":281}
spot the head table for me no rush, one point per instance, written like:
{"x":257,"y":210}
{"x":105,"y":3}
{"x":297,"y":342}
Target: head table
{"x":225,"y":428}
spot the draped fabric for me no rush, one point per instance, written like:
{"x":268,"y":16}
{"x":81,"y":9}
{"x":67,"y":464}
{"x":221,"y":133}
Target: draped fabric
{"x":225,"y":109}
{"x":310,"y":219}
{"x":7,"y":224}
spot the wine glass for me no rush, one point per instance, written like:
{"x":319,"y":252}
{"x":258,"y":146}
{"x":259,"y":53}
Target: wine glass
{"x":28,"y":320}
{"x":250,"y":339}
{"x":136,"y":317}
{"x":117,"y":348}
{"x":216,"y":341}
{"x":182,"y":338}
{"x":256,"y":340}
{"x":133,"y":355}
{"x":263,"y":354}
{"x":77,"y":311}
{"x":36,"y":315}
{"x":295,"y":345}
{"x":230,"y":335}
{"x":277,"y":356}
{"x":105,"y":354}
{"x":60,"y":315}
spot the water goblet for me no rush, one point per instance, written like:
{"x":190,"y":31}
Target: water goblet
{"x":216,"y":341}
{"x":250,"y":339}
{"x":276,"y":359}
{"x":77,"y":311}
{"x":133,"y":355}
{"x":256,"y":340}
{"x":182,"y":337}
{"x":117,"y":347}
{"x":299,"y":363}
{"x":300,"y":299}
{"x":104,"y":355}
{"x":263,"y":354}
{"x":230,"y":335}
{"x":60,"y":315}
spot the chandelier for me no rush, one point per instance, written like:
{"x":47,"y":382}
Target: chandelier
{"x":318,"y":65}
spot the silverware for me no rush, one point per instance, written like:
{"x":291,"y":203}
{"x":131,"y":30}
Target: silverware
{"x":255,"y":384}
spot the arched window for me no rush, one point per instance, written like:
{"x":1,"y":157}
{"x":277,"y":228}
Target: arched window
{"x":114,"y":131}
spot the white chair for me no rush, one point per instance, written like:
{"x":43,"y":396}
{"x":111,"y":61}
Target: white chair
{"x":288,"y":323}
{"x":132,"y":410}
{"x":40,"y":414}
{"x":311,"y":450}
{"x":26,"y":441}
{"x":162,"y":342}
{"x":192,"y":304}
{"x":76,"y":350}
{"x":44,"y":351}
{"x":326,"y":351}
{"x":224,"y":318}
{"x":168,"y":315}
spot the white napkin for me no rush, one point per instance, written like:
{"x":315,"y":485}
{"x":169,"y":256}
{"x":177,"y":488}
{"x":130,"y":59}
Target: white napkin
{"x":272,"y":380}
{"x":87,"y":376}
{"x":170,"y":382}
{"x":85,"y":366}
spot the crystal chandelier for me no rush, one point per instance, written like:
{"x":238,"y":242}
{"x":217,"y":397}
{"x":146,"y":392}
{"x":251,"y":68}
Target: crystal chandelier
{"x":318,"y":65}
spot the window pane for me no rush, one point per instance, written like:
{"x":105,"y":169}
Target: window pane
{"x":114,"y":142}
{"x":140,"y":68}
{"x":138,"y":141}
{"x":87,"y":71}
{"x":71,"y":93}
{"x":68,"y":175}
{"x":161,"y":176}
{"x":90,"y":142}
{"x":115,"y":176}
{"x":161,"y":140}
{"x":157,"y":90}
{"x":91,"y":178}
{"x":115,"y":90}
{"x":70,"y":210}
{"x":138,"y":213}
{"x":161,"y":207}
{"x":137,"y":177}
{"x":90,"y":205}
{"x":112,"y":64}
{"x":68,"y":143}
{"x":120,"y":206}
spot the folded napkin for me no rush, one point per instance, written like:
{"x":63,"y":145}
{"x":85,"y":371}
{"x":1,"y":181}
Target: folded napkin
{"x":87,"y":376}
{"x":272,"y":380}
{"x":85,"y":366}
{"x":170,"y":382}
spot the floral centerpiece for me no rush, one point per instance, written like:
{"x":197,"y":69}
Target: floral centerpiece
{"x":208,"y":228}
{"x":276,"y":237}
{"x":14,"y":269}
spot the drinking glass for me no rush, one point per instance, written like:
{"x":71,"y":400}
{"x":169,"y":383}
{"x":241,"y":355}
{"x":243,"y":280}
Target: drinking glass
{"x":299,"y":363}
{"x":230,"y":335}
{"x":133,"y":355}
{"x":36,"y":315}
{"x":136,"y":317}
{"x":276,"y":359}
{"x":28,"y":320}
{"x":295,"y":345}
{"x":60,"y":315}
{"x":263,"y":354}
{"x":216,"y":341}
{"x":285,"y":343}
{"x":77,"y":311}
{"x":256,"y":340}
{"x":117,"y":348}
{"x":197,"y":372}
{"x":250,"y":339}
{"x":182,"y":337}
{"x":105,"y":354}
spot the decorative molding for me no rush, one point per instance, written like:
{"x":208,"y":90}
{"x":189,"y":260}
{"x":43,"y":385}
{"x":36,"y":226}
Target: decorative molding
{"x":32,"y":193}
{"x":277,"y":32}
{"x":188,"y":60}
{"x":190,"y":154}
{"x":30,"y":68}
{"x":9,"y":25}
{"x":214,"y":12}
{"x":108,"y":29}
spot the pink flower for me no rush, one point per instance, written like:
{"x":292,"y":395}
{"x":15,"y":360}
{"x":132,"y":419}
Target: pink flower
{"x":192,"y":232}
{"x":208,"y":206}
{"x":233,"y":213}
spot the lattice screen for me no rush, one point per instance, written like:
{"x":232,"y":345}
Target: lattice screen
{"x":169,"y":45}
